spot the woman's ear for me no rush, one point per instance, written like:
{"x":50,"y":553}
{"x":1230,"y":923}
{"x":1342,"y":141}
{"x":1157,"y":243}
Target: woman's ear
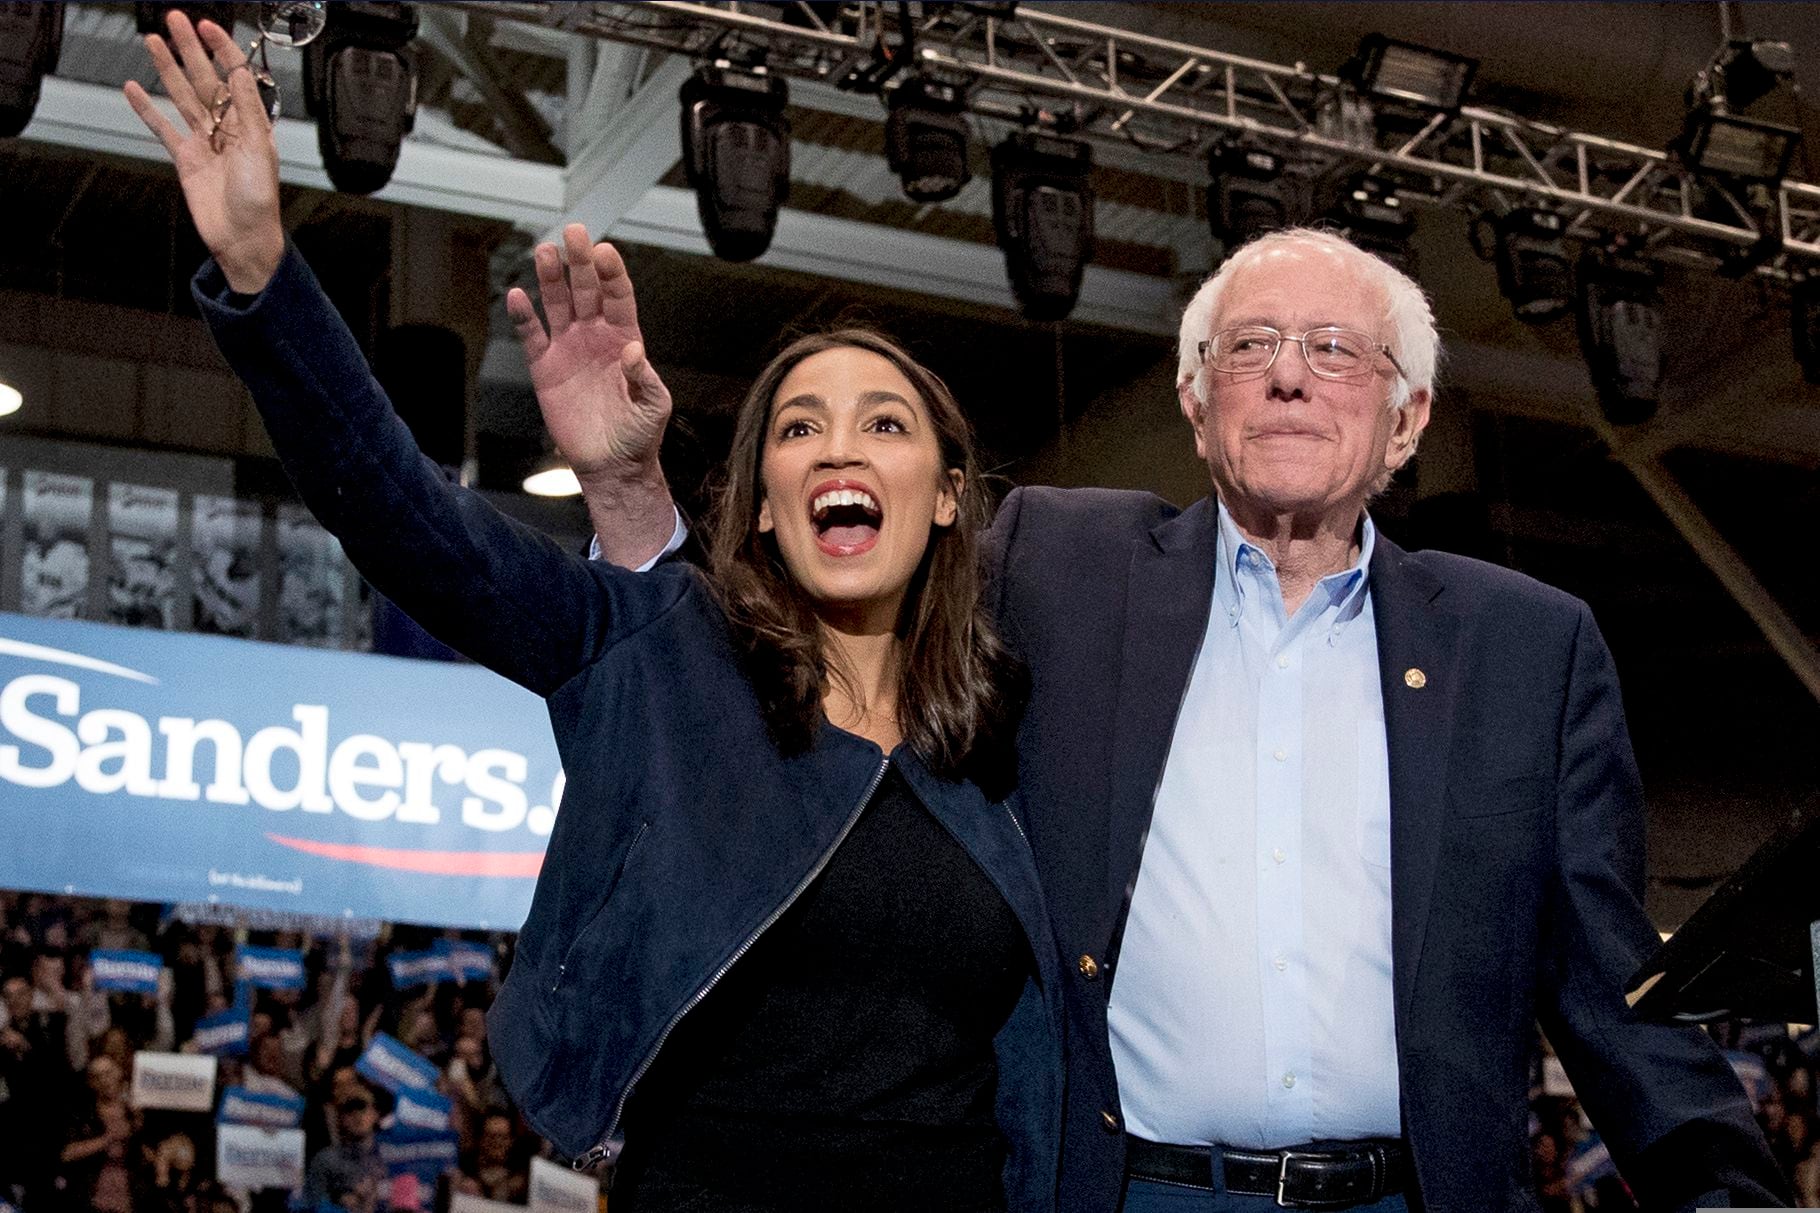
{"x":764,"y":517}
{"x":948,"y":500}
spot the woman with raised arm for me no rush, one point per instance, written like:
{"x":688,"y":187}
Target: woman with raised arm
{"x":785,"y":952}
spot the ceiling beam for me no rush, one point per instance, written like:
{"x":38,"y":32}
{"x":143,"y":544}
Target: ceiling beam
{"x":451,"y":34}
{"x":626,"y":136}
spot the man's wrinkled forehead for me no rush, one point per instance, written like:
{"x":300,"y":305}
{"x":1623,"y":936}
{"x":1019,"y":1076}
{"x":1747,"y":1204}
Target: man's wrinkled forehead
{"x":1300,"y":286}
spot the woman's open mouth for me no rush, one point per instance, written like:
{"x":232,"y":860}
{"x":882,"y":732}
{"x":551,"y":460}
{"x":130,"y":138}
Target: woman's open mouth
{"x":846,"y":518}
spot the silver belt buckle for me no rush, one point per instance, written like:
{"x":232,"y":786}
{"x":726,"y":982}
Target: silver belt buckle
{"x":1283,"y":1174}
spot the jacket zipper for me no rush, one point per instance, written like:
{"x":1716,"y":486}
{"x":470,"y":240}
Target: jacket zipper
{"x":1019,"y":827}
{"x":600,"y":1151}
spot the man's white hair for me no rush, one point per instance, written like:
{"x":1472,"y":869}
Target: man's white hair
{"x":1408,"y":319}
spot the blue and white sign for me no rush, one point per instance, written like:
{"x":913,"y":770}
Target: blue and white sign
{"x":269,"y":968}
{"x":182,"y":1082}
{"x":223,"y":1034}
{"x":240,"y":1106}
{"x":249,"y":1157}
{"x":417,"y":1152}
{"x":396,"y":1067}
{"x":423,"y":1110}
{"x":466,"y":961}
{"x":129,"y":972}
{"x":269,"y":777}
{"x":417,"y":969}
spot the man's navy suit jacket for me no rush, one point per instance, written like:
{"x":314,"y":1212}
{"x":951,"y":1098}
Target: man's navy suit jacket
{"x":1516,"y":846}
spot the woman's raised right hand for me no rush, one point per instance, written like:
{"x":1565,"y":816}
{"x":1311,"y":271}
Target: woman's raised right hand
{"x":230,"y":178}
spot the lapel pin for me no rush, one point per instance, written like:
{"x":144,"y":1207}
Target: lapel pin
{"x":1414,"y":678}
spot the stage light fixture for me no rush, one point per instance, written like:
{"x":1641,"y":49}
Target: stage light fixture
{"x":1250,"y":194}
{"x":1372,"y":216}
{"x":360,"y":84}
{"x":1533,"y":270}
{"x":11,"y":399}
{"x":736,"y":155}
{"x":31,"y":38}
{"x":1620,"y":323}
{"x":1390,"y":69}
{"x":1042,"y":211}
{"x":1804,"y":300}
{"x":1743,"y":72}
{"x":926,"y":139}
{"x":1737,"y":149}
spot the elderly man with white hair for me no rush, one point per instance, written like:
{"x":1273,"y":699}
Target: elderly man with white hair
{"x":1326,"y":827}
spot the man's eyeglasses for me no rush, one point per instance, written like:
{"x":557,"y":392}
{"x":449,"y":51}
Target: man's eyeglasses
{"x":1331,"y":352}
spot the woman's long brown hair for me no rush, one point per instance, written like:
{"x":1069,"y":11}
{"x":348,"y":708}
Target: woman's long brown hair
{"x":959,"y":689}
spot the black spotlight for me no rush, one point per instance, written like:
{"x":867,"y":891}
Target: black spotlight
{"x":1372,"y":216}
{"x":1250,"y":194}
{"x":1042,"y":210}
{"x":149,"y":18}
{"x":360,"y":84}
{"x":1805,"y":300}
{"x":1620,"y":325}
{"x":1736,"y":149}
{"x":736,"y":155}
{"x":1533,"y":270}
{"x":1743,"y":72}
{"x":1389,"y":69}
{"x":926,"y":139}
{"x":31,"y":37}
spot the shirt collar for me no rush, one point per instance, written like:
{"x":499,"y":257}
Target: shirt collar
{"x":1237,"y":562}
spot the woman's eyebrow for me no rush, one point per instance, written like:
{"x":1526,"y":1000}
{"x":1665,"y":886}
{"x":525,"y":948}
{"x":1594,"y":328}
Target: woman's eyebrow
{"x":802,"y":400}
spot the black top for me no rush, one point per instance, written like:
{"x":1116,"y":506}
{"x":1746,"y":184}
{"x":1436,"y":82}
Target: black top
{"x":846,"y":1060}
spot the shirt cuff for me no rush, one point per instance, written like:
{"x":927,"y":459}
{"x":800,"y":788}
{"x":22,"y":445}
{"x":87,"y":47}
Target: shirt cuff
{"x":677,"y":535}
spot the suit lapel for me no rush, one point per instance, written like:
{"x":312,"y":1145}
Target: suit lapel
{"x":1168,"y":594}
{"x":1419,"y":662}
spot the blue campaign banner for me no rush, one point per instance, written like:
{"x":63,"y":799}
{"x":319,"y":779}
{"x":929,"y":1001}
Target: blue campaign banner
{"x":464,"y":960}
{"x":269,"y":777}
{"x":392,"y":1064}
{"x":417,"y":969}
{"x":129,"y":972}
{"x":425,"y":1154}
{"x":223,"y":1034}
{"x":269,"y":968}
{"x":425,"y":1110}
{"x":240,"y":1106}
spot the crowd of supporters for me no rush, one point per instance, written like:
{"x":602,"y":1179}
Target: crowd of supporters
{"x":73,"y":1139}
{"x":1574,"y":1173}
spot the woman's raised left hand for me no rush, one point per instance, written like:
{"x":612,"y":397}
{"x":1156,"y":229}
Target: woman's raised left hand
{"x":230,"y":176}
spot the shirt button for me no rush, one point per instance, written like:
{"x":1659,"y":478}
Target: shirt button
{"x":1281,"y":755}
{"x":1089,"y":967}
{"x":1279,"y":855}
{"x":1281,"y":963}
{"x":1283,"y":661}
{"x":1288,"y":1080}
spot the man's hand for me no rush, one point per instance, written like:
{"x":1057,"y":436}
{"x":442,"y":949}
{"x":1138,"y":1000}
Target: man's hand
{"x":229,"y":176}
{"x":601,"y":399}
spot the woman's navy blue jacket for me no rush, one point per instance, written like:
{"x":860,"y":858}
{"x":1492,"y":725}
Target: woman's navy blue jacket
{"x":683,"y":832}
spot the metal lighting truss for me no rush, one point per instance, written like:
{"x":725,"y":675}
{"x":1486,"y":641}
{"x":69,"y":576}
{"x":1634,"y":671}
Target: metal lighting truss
{"x":1173,"y":98}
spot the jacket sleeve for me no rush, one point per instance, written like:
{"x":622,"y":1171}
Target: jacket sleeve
{"x":496,"y":591}
{"x":1664,"y":1098}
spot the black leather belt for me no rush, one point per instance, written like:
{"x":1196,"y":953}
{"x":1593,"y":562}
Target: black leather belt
{"x":1328,"y":1175}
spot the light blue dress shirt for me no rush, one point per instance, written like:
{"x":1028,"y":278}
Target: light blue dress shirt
{"x":1253,"y":1001}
